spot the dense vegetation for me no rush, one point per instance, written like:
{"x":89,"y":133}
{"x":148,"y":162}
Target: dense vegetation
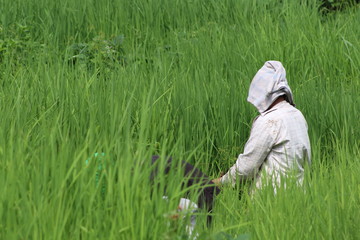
{"x":137,"y":78}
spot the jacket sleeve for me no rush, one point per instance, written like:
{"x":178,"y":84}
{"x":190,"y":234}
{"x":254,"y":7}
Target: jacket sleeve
{"x":255,"y":152}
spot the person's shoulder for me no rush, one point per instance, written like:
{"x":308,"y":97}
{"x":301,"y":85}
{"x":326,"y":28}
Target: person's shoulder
{"x":278,"y":114}
{"x":285,"y":113}
{"x":260,"y":121}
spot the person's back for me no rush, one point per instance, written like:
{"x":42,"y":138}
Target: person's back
{"x":290,"y":151}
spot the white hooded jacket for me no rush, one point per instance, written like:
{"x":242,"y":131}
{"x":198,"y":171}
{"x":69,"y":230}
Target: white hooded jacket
{"x":279,"y":141}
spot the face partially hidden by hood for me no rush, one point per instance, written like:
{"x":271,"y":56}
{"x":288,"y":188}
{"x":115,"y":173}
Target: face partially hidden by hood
{"x":268,"y":84}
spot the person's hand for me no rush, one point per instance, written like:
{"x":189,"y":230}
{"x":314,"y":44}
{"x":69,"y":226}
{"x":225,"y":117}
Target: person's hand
{"x":217,"y":181}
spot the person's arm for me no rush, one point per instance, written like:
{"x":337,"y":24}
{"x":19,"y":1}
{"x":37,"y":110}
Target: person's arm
{"x":256,"y":150}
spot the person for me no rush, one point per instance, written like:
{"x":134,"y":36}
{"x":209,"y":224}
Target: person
{"x":279,"y":143}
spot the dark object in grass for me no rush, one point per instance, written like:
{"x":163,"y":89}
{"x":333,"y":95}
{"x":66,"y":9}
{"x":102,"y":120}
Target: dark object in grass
{"x":207,"y":190}
{"x":336,"y":5}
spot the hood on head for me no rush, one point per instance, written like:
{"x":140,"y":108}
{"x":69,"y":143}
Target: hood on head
{"x":268,"y":84}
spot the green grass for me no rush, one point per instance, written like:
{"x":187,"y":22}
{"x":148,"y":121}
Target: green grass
{"x":181,"y":92}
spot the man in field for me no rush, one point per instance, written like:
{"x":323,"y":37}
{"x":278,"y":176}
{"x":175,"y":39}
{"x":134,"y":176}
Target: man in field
{"x":279,"y":143}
